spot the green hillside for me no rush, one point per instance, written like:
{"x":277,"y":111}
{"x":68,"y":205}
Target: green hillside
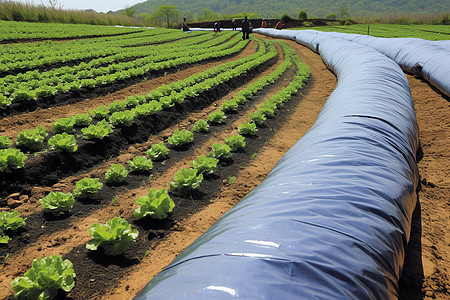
{"x":314,"y":8}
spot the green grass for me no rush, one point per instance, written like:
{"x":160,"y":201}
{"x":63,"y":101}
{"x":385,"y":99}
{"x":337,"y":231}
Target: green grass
{"x":428,"y":32}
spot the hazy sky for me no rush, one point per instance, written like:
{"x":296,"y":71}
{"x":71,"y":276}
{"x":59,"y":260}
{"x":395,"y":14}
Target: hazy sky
{"x":98,"y":5}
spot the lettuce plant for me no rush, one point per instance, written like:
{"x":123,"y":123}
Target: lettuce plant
{"x":230,"y":106}
{"x":4,"y":101}
{"x":87,"y":187}
{"x":156,"y":204}
{"x":9,"y":220}
{"x":63,"y":125}
{"x":180,"y":138}
{"x":257,"y":117}
{"x":248,"y":128}
{"x":235,"y":142}
{"x":157,"y":151}
{"x":220,"y":151}
{"x":100,"y":112}
{"x":46,"y":276}
{"x":204,"y":164}
{"x":114,"y":236}
{"x":5,"y":142}
{"x":147,"y":109}
{"x":267,"y":110}
{"x":117,"y":106}
{"x":64,"y":142}
{"x":217,"y":117}
{"x":82,"y":119}
{"x":32,"y":139}
{"x":140,"y":163}
{"x":11,"y":159}
{"x":57,"y":203}
{"x":99,"y":131}
{"x":201,"y":126}
{"x":116,"y":173}
{"x":122,"y":118}
{"x":185,"y":180}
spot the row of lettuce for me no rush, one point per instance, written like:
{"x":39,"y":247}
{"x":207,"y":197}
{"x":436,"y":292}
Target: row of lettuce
{"x":34,"y":85}
{"x":49,"y":274}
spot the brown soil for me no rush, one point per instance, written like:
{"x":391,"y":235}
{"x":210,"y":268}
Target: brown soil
{"x":426,"y":266}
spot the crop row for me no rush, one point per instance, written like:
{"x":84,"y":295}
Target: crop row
{"x":115,"y":235}
{"x":33,"y":85}
{"x":15,"y":58}
{"x":33,"y":31}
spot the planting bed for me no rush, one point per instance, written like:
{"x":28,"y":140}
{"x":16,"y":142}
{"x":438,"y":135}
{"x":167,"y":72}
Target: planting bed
{"x":104,"y":277}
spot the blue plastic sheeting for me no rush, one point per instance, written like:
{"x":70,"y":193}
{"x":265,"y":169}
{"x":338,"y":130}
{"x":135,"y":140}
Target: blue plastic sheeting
{"x":332,"y":219}
{"x":427,"y":59}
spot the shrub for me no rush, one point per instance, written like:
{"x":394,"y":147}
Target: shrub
{"x":302,"y":15}
{"x":156,"y":204}
{"x":116,"y":173}
{"x":331,"y":17}
{"x":286,"y":18}
{"x":46,"y":276}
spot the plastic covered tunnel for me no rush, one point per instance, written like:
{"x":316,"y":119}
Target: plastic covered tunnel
{"x":332,"y":219}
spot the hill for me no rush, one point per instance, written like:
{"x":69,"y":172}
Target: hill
{"x":314,"y":8}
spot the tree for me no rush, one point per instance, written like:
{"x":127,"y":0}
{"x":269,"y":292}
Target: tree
{"x":168,"y":13}
{"x":129,"y":11}
{"x":302,"y":15}
{"x":343,"y":10}
{"x":206,"y":13}
{"x":331,"y":17}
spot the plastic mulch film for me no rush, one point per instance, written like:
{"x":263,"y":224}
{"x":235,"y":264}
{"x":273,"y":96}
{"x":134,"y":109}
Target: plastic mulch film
{"x":332,"y":219}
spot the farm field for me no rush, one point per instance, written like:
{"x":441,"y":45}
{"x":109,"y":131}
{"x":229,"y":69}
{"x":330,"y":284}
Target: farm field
{"x":148,"y":84}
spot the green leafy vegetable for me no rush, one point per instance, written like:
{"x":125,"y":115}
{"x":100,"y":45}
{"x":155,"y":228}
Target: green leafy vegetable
{"x":185,"y":180}
{"x":46,"y":276}
{"x":100,"y":112}
{"x":5,"y":142}
{"x":9,"y":220}
{"x":230,"y":106}
{"x":82,"y":119}
{"x":57,"y":203}
{"x":217,"y":117}
{"x":235,"y":142}
{"x":201,"y":126}
{"x":204,"y":164}
{"x":32,"y":139}
{"x":87,"y":187}
{"x":157,"y":151}
{"x":63,"y":125}
{"x":180,"y":138}
{"x":248,"y":128}
{"x":156,"y":204}
{"x":116,"y":173}
{"x":257,"y":117}
{"x":125,"y":118}
{"x":11,"y":159}
{"x":114,"y":236}
{"x":99,"y":131}
{"x":220,"y":151}
{"x":140,"y":163}
{"x":64,"y":142}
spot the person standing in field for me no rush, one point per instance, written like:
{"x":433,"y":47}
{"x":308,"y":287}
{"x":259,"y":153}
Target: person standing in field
{"x":216,"y":27}
{"x":263,"y":23}
{"x":185,"y":27}
{"x":233,"y":23}
{"x":279,"y":25}
{"x":245,"y":28}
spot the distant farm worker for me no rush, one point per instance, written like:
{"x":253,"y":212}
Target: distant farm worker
{"x":217,"y":27}
{"x":263,"y":23}
{"x":279,"y":25}
{"x":233,"y":23}
{"x":185,"y":27}
{"x":245,"y":28}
